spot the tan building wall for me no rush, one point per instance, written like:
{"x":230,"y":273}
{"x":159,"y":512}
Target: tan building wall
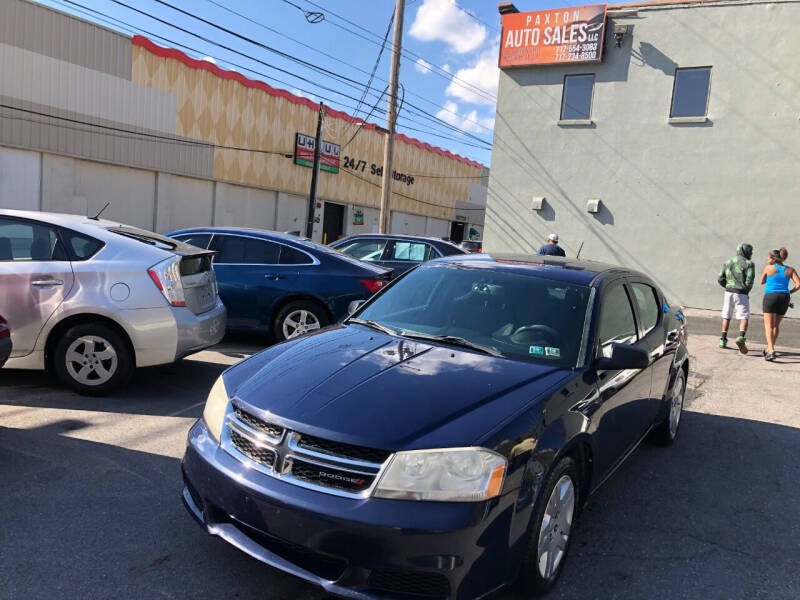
{"x":227,"y":109}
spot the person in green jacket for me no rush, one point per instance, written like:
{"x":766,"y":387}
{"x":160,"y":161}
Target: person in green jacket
{"x":737,"y":277}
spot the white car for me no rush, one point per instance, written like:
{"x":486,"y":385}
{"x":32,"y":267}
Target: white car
{"x":92,"y":300}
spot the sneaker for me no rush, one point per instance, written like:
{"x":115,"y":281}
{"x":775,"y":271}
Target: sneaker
{"x":769,"y":356}
{"x":742,"y":345}
{"x":763,"y":352}
{"x":723,"y":343}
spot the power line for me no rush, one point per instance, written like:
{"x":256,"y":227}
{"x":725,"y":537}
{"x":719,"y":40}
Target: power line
{"x":339,"y":60}
{"x":281,"y":53}
{"x":429,"y":132}
{"x":372,"y":183}
{"x":153,"y":136}
{"x":287,"y":56}
{"x":438,"y":70}
{"x":269,"y":65}
{"x":116,"y":131}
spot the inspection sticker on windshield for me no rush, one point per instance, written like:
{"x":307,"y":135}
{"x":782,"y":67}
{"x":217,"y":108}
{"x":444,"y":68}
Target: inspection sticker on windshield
{"x":536,"y":350}
{"x":552,"y":352}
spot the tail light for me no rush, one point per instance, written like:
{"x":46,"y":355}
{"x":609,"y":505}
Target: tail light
{"x":373,"y":285}
{"x":167,"y":277}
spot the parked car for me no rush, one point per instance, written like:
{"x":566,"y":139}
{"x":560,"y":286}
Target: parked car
{"x":397,"y":252}
{"x":441,"y":442}
{"x":93,"y":299}
{"x":5,"y":341}
{"x":281,"y":284}
{"x":471,"y":246}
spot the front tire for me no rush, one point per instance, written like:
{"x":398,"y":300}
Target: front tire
{"x":92,"y":359}
{"x":666,"y":433}
{"x":298,"y":318}
{"x":551,"y":529}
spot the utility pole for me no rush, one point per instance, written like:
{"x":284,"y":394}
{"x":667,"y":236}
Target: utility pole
{"x":391,"y":118}
{"x":312,"y":196}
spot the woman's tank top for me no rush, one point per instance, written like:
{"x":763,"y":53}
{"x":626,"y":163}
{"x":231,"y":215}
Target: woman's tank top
{"x":778,"y":283}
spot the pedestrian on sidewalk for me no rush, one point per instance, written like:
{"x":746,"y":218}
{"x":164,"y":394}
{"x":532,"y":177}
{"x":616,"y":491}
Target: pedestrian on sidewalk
{"x":551,"y":248}
{"x":777,"y":296}
{"x":737,"y":277}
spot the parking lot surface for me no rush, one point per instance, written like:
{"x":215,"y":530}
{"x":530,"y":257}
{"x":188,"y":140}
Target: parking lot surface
{"x":91,"y":507}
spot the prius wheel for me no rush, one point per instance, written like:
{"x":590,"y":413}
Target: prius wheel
{"x":551,"y":530}
{"x":92,"y":359}
{"x":667,"y":431}
{"x":298,"y":318}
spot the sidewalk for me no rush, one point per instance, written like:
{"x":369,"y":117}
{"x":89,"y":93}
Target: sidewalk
{"x":709,"y":322}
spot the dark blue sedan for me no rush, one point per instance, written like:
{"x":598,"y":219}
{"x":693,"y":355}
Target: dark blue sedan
{"x":441,"y":442}
{"x":281,"y":284}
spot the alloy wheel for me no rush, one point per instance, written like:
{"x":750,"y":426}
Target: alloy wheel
{"x":676,"y":407}
{"x":299,"y":322}
{"x":91,"y":360}
{"x":556,"y":527}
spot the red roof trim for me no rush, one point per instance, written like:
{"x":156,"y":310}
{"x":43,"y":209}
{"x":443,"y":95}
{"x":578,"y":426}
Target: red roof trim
{"x":194,"y":63}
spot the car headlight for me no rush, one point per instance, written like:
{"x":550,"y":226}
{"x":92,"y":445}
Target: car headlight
{"x":448,"y":475}
{"x":216,"y":405}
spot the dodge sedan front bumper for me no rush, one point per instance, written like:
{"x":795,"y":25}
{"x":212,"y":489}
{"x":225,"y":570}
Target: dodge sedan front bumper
{"x":363,"y":549}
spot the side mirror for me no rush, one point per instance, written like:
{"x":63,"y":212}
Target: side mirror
{"x":624,"y":356}
{"x":354,"y":306}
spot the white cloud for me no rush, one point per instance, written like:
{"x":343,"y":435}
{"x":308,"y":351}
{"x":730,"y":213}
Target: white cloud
{"x":468,"y":122}
{"x":442,"y":20}
{"x":302,"y":94}
{"x":423,"y":66}
{"x":483,"y":75}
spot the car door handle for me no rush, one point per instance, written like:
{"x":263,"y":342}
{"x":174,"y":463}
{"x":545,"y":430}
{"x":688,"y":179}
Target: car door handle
{"x":47,"y":282}
{"x":273,"y":276}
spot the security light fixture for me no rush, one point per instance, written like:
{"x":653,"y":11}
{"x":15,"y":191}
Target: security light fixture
{"x":538,"y":202}
{"x":593,"y":206}
{"x":619,"y":34}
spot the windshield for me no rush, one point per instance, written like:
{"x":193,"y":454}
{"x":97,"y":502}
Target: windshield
{"x":516,"y":315}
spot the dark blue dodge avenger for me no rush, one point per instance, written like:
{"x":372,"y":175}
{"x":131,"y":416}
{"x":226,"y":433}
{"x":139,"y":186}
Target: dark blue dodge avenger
{"x":442,"y":440}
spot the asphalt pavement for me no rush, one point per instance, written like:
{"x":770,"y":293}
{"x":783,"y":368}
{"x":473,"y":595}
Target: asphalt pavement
{"x":90,"y":503}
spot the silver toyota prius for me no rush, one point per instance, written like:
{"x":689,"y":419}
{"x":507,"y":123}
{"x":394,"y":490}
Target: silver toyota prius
{"x":92,"y":300}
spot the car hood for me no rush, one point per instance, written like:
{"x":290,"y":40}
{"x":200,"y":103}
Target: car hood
{"x":359,"y":386}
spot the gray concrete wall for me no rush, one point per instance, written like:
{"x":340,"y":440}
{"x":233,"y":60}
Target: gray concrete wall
{"x":291,"y":213}
{"x":677,"y":199}
{"x":20,"y":178}
{"x":240,"y":206}
{"x":183,"y":202}
{"x":82,"y":187}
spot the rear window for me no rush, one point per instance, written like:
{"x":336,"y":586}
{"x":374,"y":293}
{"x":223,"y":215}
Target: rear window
{"x":79,"y":246}
{"x":241,"y":250}
{"x":292,"y":256}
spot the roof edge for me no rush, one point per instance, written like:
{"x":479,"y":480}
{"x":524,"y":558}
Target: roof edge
{"x":194,"y":63}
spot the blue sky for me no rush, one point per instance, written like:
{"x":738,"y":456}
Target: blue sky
{"x":449,"y":73}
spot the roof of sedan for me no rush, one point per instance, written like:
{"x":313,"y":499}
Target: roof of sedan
{"x":398,"y":236}
{"x":581,"y":272}
{"x":244,"y":230}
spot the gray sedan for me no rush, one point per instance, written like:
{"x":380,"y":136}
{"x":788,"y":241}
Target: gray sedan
{"x":92,"y":300}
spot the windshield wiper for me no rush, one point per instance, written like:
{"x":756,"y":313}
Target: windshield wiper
{"x":373,"y":325}
{"x":451,"y":340}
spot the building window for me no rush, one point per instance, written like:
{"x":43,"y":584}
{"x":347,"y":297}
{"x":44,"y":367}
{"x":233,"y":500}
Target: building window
{"x":576,"y":103}
{"x":690,"y":92}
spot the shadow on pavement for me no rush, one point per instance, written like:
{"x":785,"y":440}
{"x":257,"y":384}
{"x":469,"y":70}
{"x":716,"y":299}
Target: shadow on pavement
{"x":714,"y":516}
{"x":166,"y":390}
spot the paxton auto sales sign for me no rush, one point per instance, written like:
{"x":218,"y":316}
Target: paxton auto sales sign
{"x":549,"y":37}
{"x":304,"y":153}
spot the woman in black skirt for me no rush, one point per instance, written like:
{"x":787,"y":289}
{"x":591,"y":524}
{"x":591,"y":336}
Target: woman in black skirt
{"x":776,"y":296}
